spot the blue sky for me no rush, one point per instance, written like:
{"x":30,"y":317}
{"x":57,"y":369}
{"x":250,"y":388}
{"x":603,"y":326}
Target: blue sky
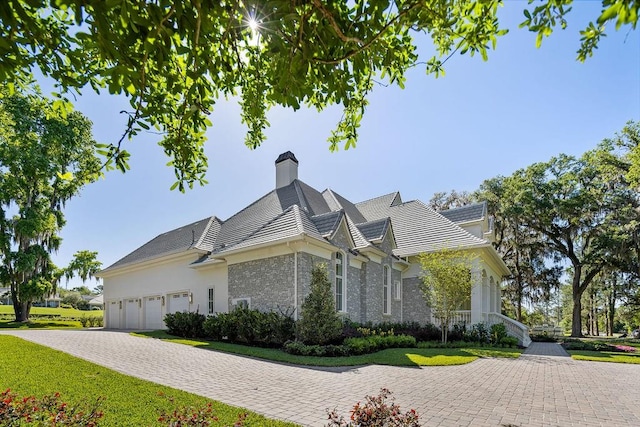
{"x":481,"y":120}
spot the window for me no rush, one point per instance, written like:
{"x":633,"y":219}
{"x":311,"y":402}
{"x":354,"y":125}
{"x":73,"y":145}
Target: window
{"x":397,"y":290}
{"x":340,"y":282}
{"x":212,"y":301}
{"x":386,"y":291}
{"x":241,"y":302}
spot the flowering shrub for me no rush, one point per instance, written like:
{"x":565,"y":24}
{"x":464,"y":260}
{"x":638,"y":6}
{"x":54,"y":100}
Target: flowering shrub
{"x":197,"y":417}
{"x":625,"y":348}
{"x":376,"y":412}
{"x":46,"y":411}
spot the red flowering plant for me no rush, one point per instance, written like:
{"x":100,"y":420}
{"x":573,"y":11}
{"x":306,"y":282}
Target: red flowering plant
{"x":47,"y":411}
{"x":376,"y":411}
{"x":625,"y":348}
{"x":196,"y":417}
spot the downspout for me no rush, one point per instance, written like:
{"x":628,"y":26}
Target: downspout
{"x":295,"y":285}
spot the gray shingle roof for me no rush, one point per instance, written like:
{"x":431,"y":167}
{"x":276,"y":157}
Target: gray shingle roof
{"x":327,"y":223}
{"x":247,"y":221}
{"x":418,"y":228}
{"x":378,"y":207}
{"x":291,"y":223}
{"x":336,"y":202}
{"x":374,"y":230}
{"x":298,"y":209}
{"x":197,"y":235}
{"x":474,"y":212}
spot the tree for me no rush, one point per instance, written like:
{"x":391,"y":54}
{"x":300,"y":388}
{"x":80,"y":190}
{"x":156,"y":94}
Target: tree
{"x":319,"y":322}
{"x":46,"y":157}
{"x":454,"y":199}
{"x":85,"y":265}
{"x":533,"y":273}
{"x":446,"y":283}
{"x":174,"y":59}
{"x":582,"y":214}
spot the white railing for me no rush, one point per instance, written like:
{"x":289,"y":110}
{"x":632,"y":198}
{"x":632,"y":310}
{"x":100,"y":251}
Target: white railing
{"x":460,"y":316}
{"x":514,"y":328}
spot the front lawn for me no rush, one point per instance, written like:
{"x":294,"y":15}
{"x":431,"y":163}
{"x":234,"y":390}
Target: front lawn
{"x":605,"y":356}
{"x":31,"y":369}
{"x":52,"y":312}
{"x":40,"y":324}
{"x":391,"y":356}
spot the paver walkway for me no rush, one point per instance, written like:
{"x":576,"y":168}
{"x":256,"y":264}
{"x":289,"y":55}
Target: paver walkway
{"x":541,"y":388}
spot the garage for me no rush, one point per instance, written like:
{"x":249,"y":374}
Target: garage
{"x":132,"y":314}
{"x":153,"y":313}
{"x":113,"y":314}
{"x":178,"y":302}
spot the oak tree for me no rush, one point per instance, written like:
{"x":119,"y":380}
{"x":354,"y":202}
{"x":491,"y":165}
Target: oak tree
{"x":46,"y":157}
{"x":175,"y":59}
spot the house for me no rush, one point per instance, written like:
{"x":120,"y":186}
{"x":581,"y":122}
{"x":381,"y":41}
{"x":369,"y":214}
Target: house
{"x":262,"y":256}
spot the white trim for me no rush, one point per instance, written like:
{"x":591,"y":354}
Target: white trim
{"x":386,"y":293}
{"x":343,"y":279}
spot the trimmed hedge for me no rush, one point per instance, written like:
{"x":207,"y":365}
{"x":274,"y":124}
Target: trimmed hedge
{"x":251,"y":327}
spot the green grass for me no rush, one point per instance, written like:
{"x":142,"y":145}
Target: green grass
{"x":40,"y":324}
{"x":54,"y":312}
{"x":392,"y":356}
{"x":605,"y":356}
{"x":30,"y":369}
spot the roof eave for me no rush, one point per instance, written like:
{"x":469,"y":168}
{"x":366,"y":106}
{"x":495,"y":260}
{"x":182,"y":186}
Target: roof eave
{"x":167,"y":256}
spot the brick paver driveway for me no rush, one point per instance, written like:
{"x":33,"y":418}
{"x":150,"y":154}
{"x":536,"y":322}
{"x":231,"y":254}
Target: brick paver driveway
{"x":542,"y":388}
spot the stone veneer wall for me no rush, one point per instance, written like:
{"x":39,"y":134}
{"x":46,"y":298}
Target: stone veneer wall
{"x":268,"y":282}
{"x":415,"y":307}
{"x":306,"y":262}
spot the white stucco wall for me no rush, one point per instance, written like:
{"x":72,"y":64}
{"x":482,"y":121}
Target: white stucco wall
{"x":163,"y":279}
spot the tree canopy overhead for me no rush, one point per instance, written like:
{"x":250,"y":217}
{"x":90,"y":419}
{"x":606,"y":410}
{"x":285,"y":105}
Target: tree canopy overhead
{"x":174,"y":59}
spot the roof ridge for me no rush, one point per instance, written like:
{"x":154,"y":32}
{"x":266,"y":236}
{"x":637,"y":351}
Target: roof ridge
{"x":204,"y":232}
{"x":378,"y":197}
{"x":300,"y":193}
{"x":353,"y":229}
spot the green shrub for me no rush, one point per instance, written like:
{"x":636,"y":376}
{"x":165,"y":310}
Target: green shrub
{"x":478,"y":333}
{"x":302,"y":349}
{"x":319,"y":323}
{"x":185,"y":324}
{"x":84,"y":321}
{"x":426,"y":332}
{"x":252,"y":327}
{"x":497,"y":331}
{"x":373,"y":343}
{"x":509,"y":341}
{"x":543,"y":337}
{"x":96,"y":321}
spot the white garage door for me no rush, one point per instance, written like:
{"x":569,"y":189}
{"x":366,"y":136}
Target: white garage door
{"x":178,"y":302}
{"x":113,"y":315}
{"x":132,"y":314}
{"x":153,"y":313}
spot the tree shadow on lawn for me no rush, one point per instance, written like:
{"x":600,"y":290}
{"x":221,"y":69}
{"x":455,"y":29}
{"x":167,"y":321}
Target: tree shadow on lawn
{"x":38,"y":325}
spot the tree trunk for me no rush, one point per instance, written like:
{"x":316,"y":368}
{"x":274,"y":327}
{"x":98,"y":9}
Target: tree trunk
{"x":611,"y":308}
{"x":576,"y":317}
{"x":21,"y":310}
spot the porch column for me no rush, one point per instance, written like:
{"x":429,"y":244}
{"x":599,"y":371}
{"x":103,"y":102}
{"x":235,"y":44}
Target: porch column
{"x":477,"y":298}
